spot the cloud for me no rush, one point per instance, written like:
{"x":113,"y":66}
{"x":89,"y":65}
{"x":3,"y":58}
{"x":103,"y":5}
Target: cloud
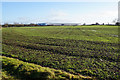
{"x":60,"y":16}
{"x":54,"y":16}
{"x":23,"y":19}
{"x":109,"y":13}
{"x":91,"y":17}
{"x":99,"y":16}
{"x":28,"y":20}
{"x":104,"y":16}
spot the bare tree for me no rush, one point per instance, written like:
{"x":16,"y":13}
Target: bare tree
{"x":115,"y":20}
{"x":6,"y":25}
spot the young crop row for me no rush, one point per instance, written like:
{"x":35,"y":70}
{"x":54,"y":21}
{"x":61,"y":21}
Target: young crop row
{"x":72,"y":59}
{"x":75,"y":48}
{"x":19,"y":70}
{"x":89,"y":58}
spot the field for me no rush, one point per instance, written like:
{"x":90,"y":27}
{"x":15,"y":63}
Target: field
{"x":79,"y":50}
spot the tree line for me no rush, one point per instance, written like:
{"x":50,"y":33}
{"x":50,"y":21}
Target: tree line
{"x":32,"y":24}
{"x":18,"y":25}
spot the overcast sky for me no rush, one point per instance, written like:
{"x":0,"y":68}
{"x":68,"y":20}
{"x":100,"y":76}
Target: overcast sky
{"x":59,"y":12}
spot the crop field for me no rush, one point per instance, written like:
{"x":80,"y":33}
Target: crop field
{"x":80,"y":50}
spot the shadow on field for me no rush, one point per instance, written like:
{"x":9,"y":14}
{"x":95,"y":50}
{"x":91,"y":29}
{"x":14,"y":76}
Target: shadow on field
{"x":23,"y":74}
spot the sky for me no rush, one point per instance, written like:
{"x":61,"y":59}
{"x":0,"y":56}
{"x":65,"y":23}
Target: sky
{"x":59,"y":0}
{"x":59,"y":12}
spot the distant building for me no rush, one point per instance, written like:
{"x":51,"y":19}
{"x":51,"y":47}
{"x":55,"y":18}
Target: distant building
{"x":58,"y":24}
{"x":63,"y":24}
{"x":42,"y":24}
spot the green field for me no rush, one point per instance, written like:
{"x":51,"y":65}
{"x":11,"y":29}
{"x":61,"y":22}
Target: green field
{"x":80,"y":50}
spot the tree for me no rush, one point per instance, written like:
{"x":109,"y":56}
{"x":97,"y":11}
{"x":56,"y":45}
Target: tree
{"x":97,"y":23}
{"x":6,"y":25}
{"x":84,"y":24}
{"x":116,"y":21}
